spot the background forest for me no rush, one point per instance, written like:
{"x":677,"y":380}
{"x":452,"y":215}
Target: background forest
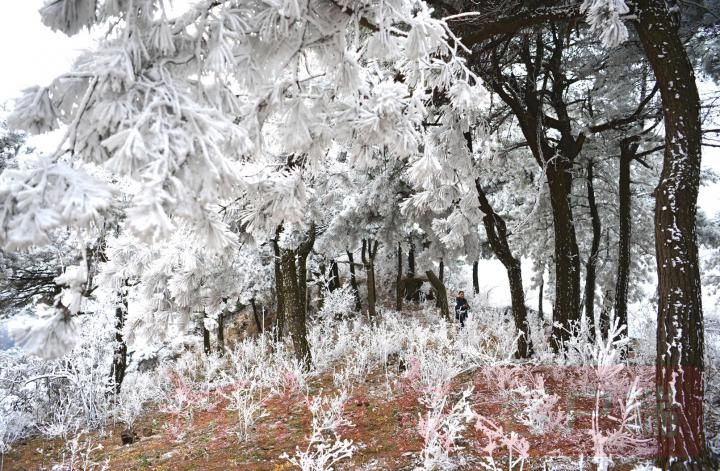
{"x":232,"y":234}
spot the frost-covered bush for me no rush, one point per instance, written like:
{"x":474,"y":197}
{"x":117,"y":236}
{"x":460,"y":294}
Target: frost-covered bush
{"x":61,"y":396}
{"x":325,"y":448}
{"x":440,"y":428}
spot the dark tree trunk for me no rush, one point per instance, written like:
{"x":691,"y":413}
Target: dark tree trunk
{"x":120,"y":352}
{"x":541,"y":288}
{"x":627,"y":154}
{"x":497,"y":236}
{"x":369,"y":250}
{"x":440,"y":293}
{"x":399,"y":287}
{"x":322,"y":286}
{"x":207,"y":348}
{"x":258,"y":323}
{"x":680,"y":334}
{"x":292,"y":267}
{"x":475,"y":280}
{"x":567,"y":254}
{"x":279,"y":329}
{"x":221,"y":334}
{"x":334,"y":282}
{"x":353,"y":281}
{"x":441,"y":276}
{"x":591,"y":265}
{"x":411,"y":261}
{"x":545,"y":65}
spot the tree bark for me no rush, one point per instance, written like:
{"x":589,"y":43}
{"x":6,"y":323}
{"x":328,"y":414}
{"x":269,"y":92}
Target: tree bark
{"x":334,"y":282}
{"x":207,"y":348}
{"x":475,"y":280}
{"x":541,"y":288}
{"x":399,"y":287}
{"x":440,"y":293}
{"x":591,"y":265}
{"x":627,"y":154}
{"x":119,"y":365}
{"x":680,"y":334}
{"x":221,"y":334}
{"x":258,"y":323}
{"x":279,"y":329}
{"x":353,"y":281}
{"x":292,"y":267}
{"x":496,"y":231}
{"x":567,"y":254}
{"x":369,"y":250}
{"x":441,"y":277}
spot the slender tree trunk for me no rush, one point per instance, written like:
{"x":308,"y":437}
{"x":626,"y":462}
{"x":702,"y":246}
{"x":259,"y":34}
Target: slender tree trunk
{"x":399,"y":287}
{"x":411,"y":260}
{"x":120,"y":352}
{"x":440,"y":293}
{"x":567,"y":254}
{"x":353,"y":281}
{"x":441,"y":276}
{"x":369,"y":250}
{"x":591,"y":265}
{"x":541,"y":288}
{"x":207,"y":347}
{"x":258,"y":323}
{"x":496,"y":231}
{"x":221,"y":334}
{"x":627,"y":154}
{"x":279,"y":329}
{"x":322,"y":286}
{"x":680,"y":335}
{"x":475,"y":280}
{"x":334,"y":276}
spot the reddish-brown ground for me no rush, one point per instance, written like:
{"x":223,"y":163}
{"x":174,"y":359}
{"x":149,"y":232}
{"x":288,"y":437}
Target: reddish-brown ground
{"x":384,"y":424}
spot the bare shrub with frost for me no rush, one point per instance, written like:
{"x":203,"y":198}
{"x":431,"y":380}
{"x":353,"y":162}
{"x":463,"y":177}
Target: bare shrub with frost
{"x":499,"y":442}
{"x":245,"y":402}
{"x":626,"y":436}
{"x":77,"y":455}
{"x":440,"y":428}
{"x":541,"y":410}
{"x":325,"y":448}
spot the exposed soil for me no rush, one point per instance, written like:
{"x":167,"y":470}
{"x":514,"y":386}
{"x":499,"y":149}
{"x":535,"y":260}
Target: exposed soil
{"x":384,"y":413}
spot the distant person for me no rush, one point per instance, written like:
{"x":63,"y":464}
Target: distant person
{"x":461,"y":308}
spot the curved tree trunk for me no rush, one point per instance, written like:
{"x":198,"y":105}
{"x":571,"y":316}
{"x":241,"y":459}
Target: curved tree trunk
{"x":440,"y":293}
{"x":680,"y":335}
{"x":497,"y":236}
{"x":591,"y":265}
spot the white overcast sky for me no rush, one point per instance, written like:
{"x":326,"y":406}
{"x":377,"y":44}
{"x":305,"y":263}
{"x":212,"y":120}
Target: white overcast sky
{"x":31,"y":54}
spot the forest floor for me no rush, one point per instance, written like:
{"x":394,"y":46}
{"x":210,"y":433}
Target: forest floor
{"x":384,"y":413}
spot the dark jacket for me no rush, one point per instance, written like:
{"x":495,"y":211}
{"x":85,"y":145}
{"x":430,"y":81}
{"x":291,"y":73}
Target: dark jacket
{"x":461,"y":305}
